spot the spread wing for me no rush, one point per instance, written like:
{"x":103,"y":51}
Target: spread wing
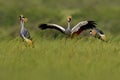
{"x":52,"y":26}
{"x":81,"y":26}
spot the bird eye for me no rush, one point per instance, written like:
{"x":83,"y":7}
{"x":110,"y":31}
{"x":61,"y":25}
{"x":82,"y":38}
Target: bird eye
{"x":90,"y":31}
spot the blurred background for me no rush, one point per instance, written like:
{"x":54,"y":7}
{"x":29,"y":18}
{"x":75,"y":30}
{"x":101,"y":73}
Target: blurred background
{"x":60,"y":59}
{"x":106,"y":13}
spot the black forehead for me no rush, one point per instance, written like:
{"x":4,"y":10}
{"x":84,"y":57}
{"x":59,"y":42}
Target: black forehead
{"x":21,"y":16}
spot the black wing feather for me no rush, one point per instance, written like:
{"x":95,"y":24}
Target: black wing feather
{"x":89,"y":25}
{"x":47,"y":26}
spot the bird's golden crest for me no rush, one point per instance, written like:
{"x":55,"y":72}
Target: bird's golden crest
{"x":69,"y":17}
{"x":25,"y":19}
{"x":21,"y":15}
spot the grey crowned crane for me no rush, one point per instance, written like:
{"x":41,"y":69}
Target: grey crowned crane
{"x":24,"y":34}
{"x":97,"y":33}
{"x":76,"y":30}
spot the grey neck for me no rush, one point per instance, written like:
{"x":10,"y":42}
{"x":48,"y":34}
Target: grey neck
{"x":21,"y":24}
{"x":68,"y":26}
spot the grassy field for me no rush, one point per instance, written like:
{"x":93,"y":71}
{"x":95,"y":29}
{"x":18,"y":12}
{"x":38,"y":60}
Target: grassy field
{"x":66,"y":59}
{"x":54,"y":56}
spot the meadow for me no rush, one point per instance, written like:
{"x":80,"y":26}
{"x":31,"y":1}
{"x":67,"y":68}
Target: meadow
{"x":54,"y":56}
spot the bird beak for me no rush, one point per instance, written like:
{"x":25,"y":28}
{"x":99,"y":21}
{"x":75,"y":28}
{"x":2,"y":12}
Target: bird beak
{"x":25,"y":19}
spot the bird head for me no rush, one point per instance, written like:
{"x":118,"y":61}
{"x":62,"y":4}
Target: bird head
{"x":93,"y":32}
{"x":69,"y":18}
{"x":22,"y":18}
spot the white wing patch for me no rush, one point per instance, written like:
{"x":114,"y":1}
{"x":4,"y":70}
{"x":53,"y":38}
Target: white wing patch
{"x":60,"y":27}
{"x":77,"y":27}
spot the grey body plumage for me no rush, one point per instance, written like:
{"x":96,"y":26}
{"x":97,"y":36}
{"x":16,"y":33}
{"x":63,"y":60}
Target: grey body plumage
{"x":23,"y":31}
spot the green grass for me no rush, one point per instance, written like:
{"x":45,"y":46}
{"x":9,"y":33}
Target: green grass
{"x":60,"y":59}
{"x":55,"y":57}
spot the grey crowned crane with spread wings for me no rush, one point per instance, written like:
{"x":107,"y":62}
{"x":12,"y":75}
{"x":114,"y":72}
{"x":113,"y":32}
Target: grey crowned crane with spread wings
{"x":77,"y":29}
{"x":24,"y":34}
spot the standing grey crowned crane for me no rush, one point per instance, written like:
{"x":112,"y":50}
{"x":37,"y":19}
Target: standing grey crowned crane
{"x":24,"y":34}
{"x":80,"y":27}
